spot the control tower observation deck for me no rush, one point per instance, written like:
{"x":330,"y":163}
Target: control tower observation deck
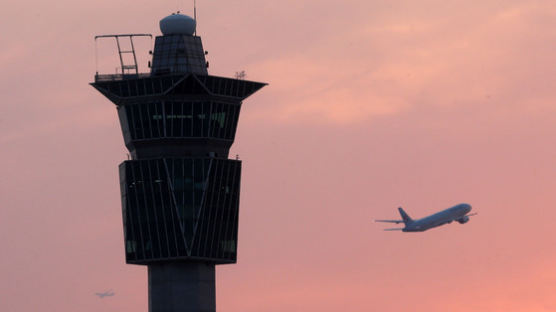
{"x":179,"y":190}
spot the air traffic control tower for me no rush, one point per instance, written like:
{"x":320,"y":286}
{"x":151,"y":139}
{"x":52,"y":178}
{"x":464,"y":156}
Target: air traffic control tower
{"x":179,"y":190}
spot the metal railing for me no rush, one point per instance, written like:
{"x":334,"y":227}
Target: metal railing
{"x":125,"y":67}
{"x":119,"y":77}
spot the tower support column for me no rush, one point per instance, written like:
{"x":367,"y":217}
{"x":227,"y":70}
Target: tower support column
{"x":182,"y":287}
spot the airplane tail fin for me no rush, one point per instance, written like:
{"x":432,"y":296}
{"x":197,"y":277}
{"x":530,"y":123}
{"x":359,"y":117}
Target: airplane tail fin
{"x":405,"y":217}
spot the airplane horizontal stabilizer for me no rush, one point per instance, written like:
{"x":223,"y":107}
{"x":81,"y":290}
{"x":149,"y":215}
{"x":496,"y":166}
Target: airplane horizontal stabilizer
{"x":390,"y":221}
{"x":472,"y":214}
{"x":394,"y":229}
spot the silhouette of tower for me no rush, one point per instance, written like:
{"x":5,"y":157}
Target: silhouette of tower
{"x":179,"y":190}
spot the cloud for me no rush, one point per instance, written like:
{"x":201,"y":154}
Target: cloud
{"x":374,"y":69}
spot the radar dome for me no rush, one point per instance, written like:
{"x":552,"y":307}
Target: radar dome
{"x":177,"y":24}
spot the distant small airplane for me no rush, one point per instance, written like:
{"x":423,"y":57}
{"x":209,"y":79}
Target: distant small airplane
{"x":108,"y":293}
{"x":457,"y":213}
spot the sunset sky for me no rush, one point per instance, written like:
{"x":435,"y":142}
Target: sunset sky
{"x":370,"y":105}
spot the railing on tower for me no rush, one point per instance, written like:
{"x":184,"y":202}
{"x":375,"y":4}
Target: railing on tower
{"x":128,"y":70}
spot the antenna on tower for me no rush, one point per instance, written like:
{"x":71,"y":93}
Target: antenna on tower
{"x":179,"y":5}
{"x":195,"y":15}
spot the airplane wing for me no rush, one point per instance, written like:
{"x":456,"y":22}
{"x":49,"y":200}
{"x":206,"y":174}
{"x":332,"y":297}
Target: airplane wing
{"x":108,"y":293}
{"x":394,"y":229}
{"x":390,"y":221}
{"x":472,"y":214}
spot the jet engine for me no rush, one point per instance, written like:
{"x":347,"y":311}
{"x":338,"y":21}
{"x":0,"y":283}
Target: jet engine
{"x":463,"y":219}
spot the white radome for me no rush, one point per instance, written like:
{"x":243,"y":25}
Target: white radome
{"x":177,"y":24}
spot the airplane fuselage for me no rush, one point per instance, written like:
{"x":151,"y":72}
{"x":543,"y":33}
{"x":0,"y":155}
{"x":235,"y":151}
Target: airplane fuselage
{"x":105,"y":294}
{"x":456,"y":213}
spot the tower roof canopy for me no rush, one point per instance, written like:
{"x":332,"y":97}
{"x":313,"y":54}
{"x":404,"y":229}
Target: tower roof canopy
{"x":178,"y":24}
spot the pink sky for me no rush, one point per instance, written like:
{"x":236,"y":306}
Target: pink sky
{"x":371,"y":105}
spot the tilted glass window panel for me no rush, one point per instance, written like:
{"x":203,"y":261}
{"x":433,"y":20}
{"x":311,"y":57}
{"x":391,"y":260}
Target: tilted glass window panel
{"x":152,"y":206}
{"x":169,"y":115}
{"x":170,"y":210}
{"x":187,"y":121}
{"x":153,"y":117}
{"x":156,"y":111}
{"x":140,"y":87}
{"x":132,"y":87}
{"x":136,"y":210}
{"x":214,"y":119}
{"x":231,"y":87}
{"x":129,"y":236}
{"x":229,"y":121}
{"x":221,"y":120}
{"x":129,"y":123}
{"x":234,"y":122}
{"x":134,"y":121}
{"x":131,"y":231}
{"x":204,"y":234}
{"x":224,"y":202}
{"x":172,"y":217}
{"x":224,"y":87}
{"x":141,"y":123}
{"x":207,"y":109}
{"x":229,"y":242}
{"x":149,"y":89}
{"x":158,"y":183}
{"x":163,"y":204}
{"x":158,"y":225}
{"x":221,"y":117}
{"x":124,"y":89}
{"x":213,"y":232}
{"x":150,"y":210}
{"x":228,"y":238}
{"x":210,"y":125}
{"x":148,"y":226}
{"x":166,"y":83}
{"x":201,"y":117}
{"x":144,"y":120}
{"x":206,"y":119}
{"x":197,"y":122}
{"x":220,"y":202}
{"x":217,"y":211}
{"x":157,"y":88}
{"x":233,"y":209}
{"x":181,"y":116}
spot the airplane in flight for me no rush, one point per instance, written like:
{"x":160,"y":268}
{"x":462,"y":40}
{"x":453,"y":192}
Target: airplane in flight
{"x":459,"y":213}
{"x":108,"y":293}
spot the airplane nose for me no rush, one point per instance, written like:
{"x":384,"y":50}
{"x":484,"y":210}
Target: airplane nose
{"x":467,"y":207}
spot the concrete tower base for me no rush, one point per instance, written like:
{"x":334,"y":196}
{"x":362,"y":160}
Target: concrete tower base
{"x":182,"y":287}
